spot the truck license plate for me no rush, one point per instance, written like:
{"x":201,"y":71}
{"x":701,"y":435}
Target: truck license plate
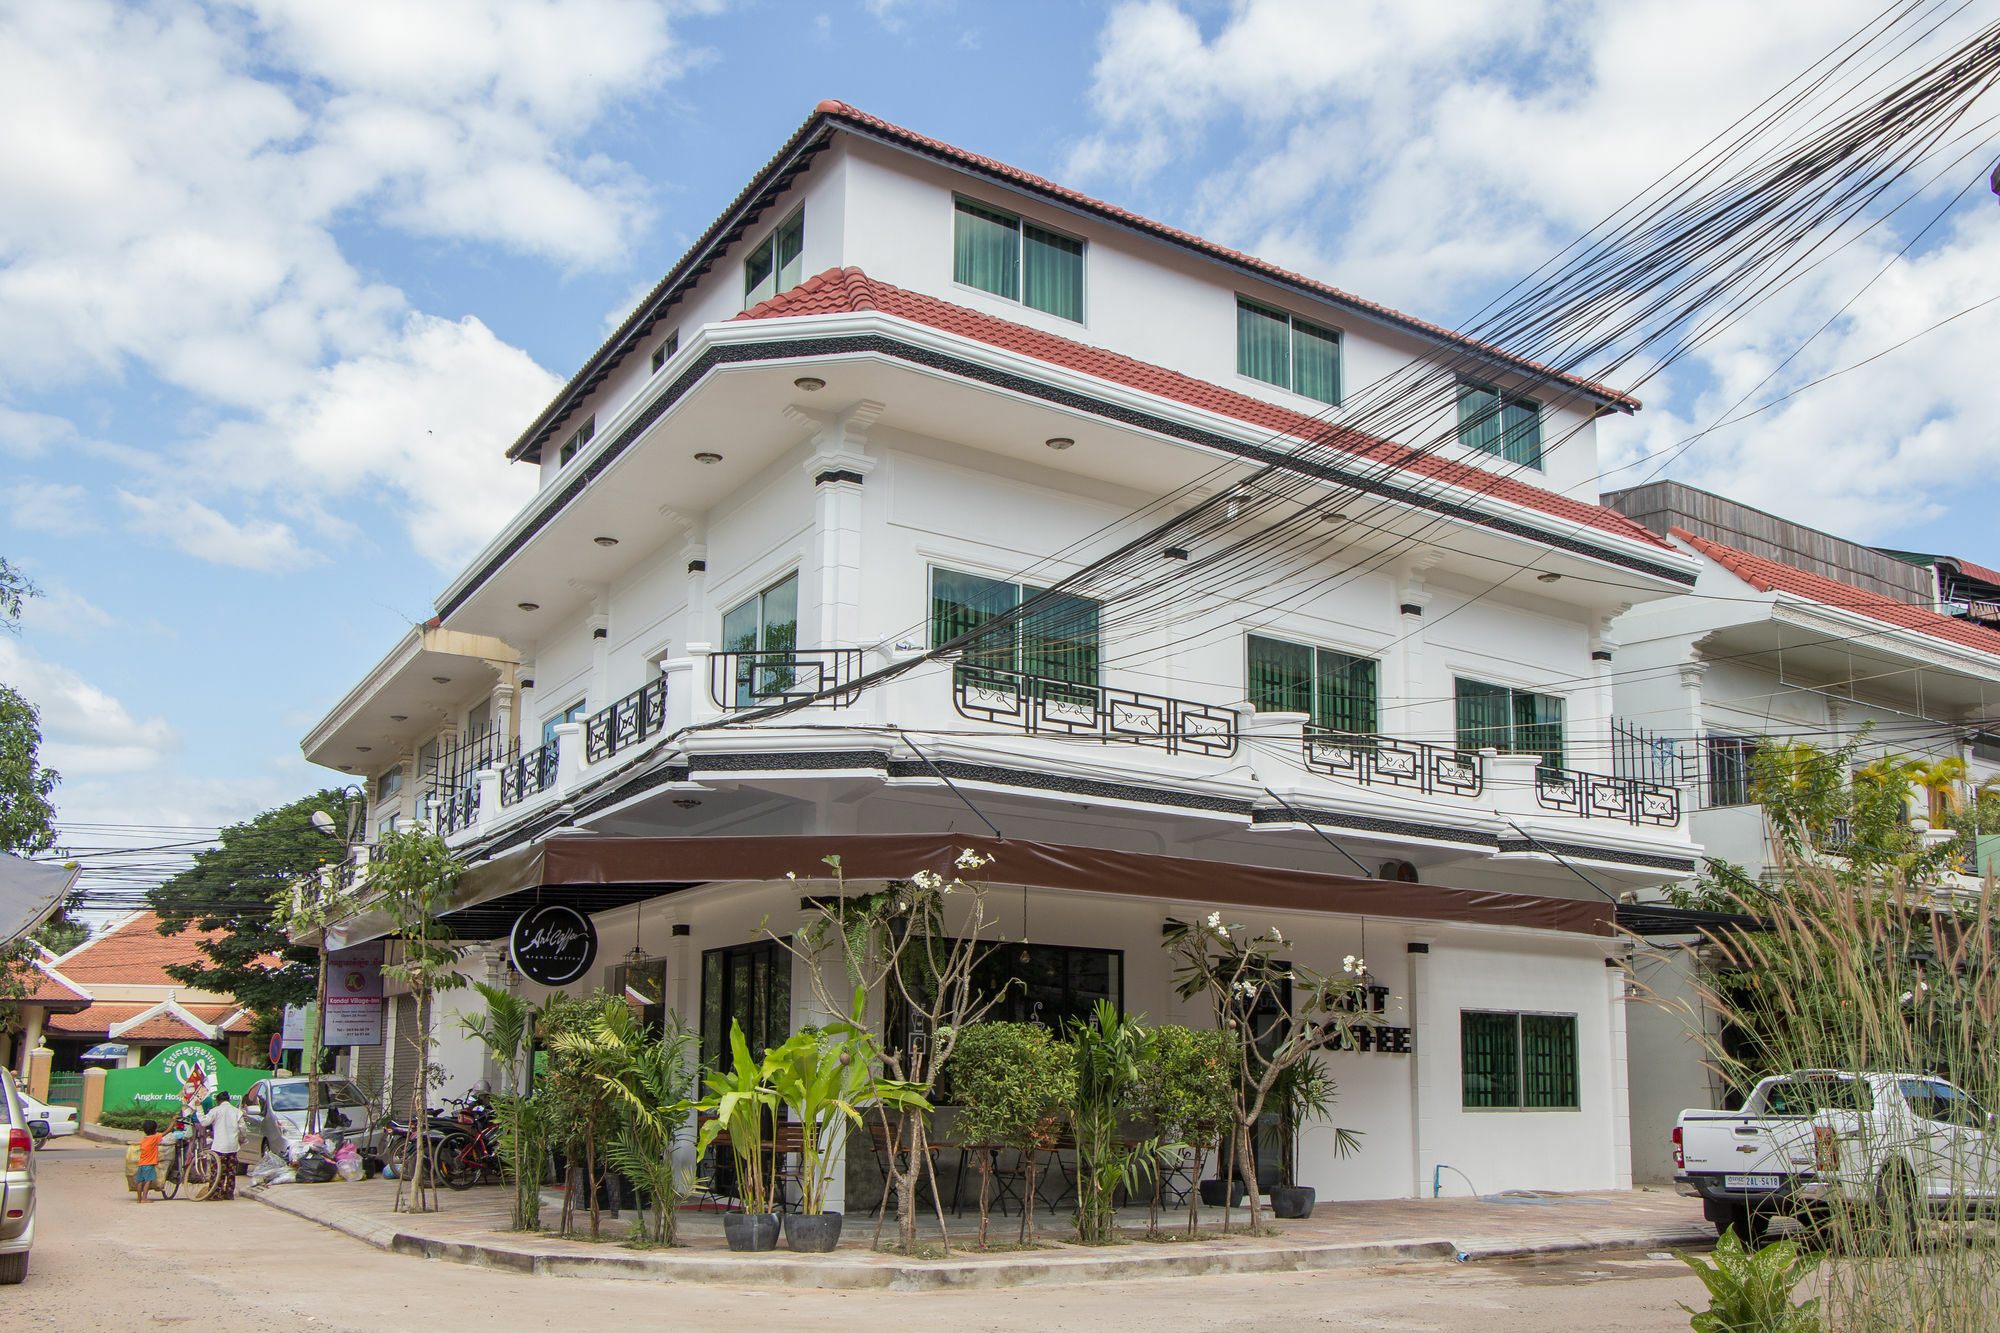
{"x":1750,"y":1182}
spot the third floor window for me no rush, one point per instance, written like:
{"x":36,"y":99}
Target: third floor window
{"x":1509,"y":720}
{"x":776,"y":263}
{"x":1056,"y":640}
{"x":1009,"y":256}
{"x":1496,"y":422}
{"x":1287,"y":351}
{"x":1336,"y":689}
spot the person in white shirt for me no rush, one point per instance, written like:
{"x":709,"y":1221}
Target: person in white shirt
{"x":225,"y":1128}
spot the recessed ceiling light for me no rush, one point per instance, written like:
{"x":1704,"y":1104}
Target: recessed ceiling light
{"x":809,"y":383}
{"x":686,"y":802}
{"x":364,"y":748}
{"x":1059,"y":442}
{"x":527,"y":606}
{"x":347,"y":768}
{"x":442,"y":680}
{"x":399,"y":717}
{"x":605,"y":541}
{"x":705,"y":456}
{"x":1549,"y":577}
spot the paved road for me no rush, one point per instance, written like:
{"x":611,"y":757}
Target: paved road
{"x":103,"y":1262}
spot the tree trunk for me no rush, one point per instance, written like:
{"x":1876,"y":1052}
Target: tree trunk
{"x":1194,"y":1193}
{"x":930,"y":1169}
{"x":1028,"y":1200}
{"x":590,"y":1170}
{"x":985,"y":1190}
{"x":1247,"y":1161}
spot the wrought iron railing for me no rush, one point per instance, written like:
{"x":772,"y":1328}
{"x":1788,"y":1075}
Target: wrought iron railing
{"x":453,"y":809}
{"x":1388,"y":761}
{"x":1600,"y":797}
{"x":640,"y":714}
{"x":533,"y":772}
{"x":1036,"y":705}
{"x":758,"y":679}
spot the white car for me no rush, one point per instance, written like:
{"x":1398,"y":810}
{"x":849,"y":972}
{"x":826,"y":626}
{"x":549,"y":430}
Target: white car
{"x":61,"y":1120}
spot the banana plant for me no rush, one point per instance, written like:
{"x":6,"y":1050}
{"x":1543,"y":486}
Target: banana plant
{"x":824,"y":1078}
{"x":739,"y":1099}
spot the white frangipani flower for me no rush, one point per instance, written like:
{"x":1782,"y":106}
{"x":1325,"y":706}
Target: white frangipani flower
{"x":1215,"y":919}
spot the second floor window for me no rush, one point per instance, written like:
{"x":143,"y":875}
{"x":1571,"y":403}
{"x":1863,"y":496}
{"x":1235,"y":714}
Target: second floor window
{"x":1287,"y":351}
{"x":579,"y":437}
{"x":776,"y":263}
{"x":1729,"y":768}
{"x":1496,"y":422}
{"x":1009,"y":256}
{"x":389,"y":784}
{"x":1057,"y":640}
{"x":574,"y":713}
{"x":1509,"y":720}
{"x":766,"y":629}
{"x":1336,"y":689}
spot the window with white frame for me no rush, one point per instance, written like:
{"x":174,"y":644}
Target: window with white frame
{"x":764,"y":632}
{"x":1494,"y":421}
{"x":579,"y":437}
{"x":1292,"y":353}
{"x":668,"y":346}
{"x":1007,"y":255}
{"x":776,"y":263}
{"x":1518,"y":1061}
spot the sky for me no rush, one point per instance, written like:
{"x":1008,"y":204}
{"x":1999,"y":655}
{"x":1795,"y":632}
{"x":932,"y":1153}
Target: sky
{"x":281,"y":279}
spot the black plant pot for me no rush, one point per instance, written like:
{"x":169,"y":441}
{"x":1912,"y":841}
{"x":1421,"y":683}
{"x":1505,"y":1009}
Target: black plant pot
{"x":1292,"y":1200}
{"x":750,"y":1231}
{"x":1212,"y":1196}
{"x":817,"y":1234}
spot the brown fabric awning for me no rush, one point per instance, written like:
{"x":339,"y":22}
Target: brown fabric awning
{"x":605,"y":861}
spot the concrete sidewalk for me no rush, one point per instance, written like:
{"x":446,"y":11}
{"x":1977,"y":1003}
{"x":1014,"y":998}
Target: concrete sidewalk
{"x":469,"y":1228}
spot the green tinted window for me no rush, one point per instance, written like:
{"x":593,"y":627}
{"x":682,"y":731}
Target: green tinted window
{"x":1510,"y":721}
{"x":1337,"y":690}
{"x":1490,"y":1058}
{"x":1496,"y":422}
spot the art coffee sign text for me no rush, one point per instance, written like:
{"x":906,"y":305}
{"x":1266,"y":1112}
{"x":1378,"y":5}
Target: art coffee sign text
{"x":552,"y":945}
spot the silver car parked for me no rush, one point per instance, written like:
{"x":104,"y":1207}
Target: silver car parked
{"x":17,"y":1184}
{"x":274,"y":1114}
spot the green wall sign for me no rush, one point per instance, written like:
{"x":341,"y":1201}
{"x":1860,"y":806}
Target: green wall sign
{"x":156,"y":1086}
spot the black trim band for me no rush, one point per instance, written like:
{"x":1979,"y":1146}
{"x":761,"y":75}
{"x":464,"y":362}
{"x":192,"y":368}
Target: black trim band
{"x":1372,"y":824}
{"x":842,"y":475}
{"x":1585,"y":851}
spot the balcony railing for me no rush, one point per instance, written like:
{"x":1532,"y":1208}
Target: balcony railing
{"x":528,"y":775}
{"x":1038,"y":705}
{"x":452,"y":809}
{"x":640,"y":714}
{"x":1387,"y":761}
{"x":758,"y":679}
{"x":1599,"y":797}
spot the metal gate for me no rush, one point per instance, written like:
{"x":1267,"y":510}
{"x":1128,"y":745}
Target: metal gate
{"x":66,"y":1090}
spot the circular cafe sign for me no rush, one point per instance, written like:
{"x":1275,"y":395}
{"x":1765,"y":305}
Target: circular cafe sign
{"x":552,"y":946}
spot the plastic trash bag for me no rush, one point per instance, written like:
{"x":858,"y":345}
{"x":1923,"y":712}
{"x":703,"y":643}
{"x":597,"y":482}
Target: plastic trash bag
{"x":269,"y":1167}
{"x":349,"y":1167}
{"x":314,"y":1169}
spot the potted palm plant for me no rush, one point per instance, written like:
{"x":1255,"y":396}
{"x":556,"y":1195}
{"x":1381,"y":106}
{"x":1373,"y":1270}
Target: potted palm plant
{"x":1304,"y":1094}
{"x":826,"y":1079}
{"x":739,"y":1100}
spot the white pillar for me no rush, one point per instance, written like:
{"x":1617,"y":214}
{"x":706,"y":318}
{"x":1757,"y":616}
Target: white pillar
{"x":1428,"y":1042}
{"x":838,"y":464}
{"x":1621,"y":1080}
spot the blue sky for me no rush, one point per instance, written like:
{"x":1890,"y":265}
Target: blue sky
{"x":279,"y":282}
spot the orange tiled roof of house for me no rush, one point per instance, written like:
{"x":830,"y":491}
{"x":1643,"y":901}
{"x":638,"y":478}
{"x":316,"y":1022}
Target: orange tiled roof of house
{"x":49,"y":987}
{"x":847,"y":290}
{"x":134,"y":953}
{"x":100,"y":1018}
{"x":1771,"y":576}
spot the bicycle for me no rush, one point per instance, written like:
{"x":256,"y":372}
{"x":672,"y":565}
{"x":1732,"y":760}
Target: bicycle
{"x":194,"y":1163}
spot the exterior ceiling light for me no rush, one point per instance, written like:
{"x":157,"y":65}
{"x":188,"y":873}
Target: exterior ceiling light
{"x":1549,"y":577}
{"x":1059,"y":442}
{"x":399,"y":717}
{"x":364,"y":748}
{"x":527,"y":606}
{"x":441,"y":680}
{"x":605,"y":541}
{"x":809,"y":383}
{"x":706,"y":456}
{"x":686,"y":802}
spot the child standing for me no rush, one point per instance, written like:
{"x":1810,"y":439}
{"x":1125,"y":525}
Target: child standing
{"x":148,"y":1173}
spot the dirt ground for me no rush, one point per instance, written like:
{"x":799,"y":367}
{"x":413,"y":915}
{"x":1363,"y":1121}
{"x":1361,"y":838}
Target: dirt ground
{"x":102,"y":1262}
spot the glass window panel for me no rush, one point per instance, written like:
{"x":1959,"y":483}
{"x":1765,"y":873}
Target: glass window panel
{"x":1315,"y":361}
{"x":961,"y":603}
{"x":1489,"y":1052}
{"x":1280,"y":676}
{"x":791,"y":251}
{"x":1729,"y":769}
{"x":987,"y":250}
{"x":1548,"y":1061}
{"x":760,"y":273}
{"x":1521,"y":420}
{"x":1059,"y":638}
{"x":1051,"y":272}
{"x":1483,"y":717}
{"x":1344,"y":695}
{"x":1479,"y":417}
{"x":1538,"y":727}
{"x":781,"y":616}
{"x":1263,"y":344}
{"x":714,"y":1031}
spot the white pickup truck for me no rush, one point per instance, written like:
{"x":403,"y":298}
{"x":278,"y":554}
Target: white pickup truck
{"x":1807,"y":1140}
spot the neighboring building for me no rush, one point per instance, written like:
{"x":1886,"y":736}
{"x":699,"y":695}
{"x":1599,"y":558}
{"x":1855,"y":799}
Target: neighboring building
{"x":114,"y":988}
{"x":897,"y":388}
{"x":1788,"y":634}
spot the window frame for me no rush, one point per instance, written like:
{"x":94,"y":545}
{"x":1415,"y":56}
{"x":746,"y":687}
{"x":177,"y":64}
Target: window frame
{"x":579,"y":437}
{"x":576,"y":712}
{"x":1016,"y":658}
{"x":1006,"y":953}
{"x":1334,"y":335}
{"x":1021,"y":224}
{"x":663,"y":352}
{"x":1521,"y":1069}
{"x":752,"y":674}
{"x":714,"y":1054}
{"x":1504,"y":399}
{"x":1727,"y":749}
{"x":771,"y":243}
{"x":1315,"y":695}
{"x":1513,"y":746}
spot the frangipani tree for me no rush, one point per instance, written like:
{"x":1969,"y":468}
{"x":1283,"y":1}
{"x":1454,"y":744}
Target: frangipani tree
{"x":1276,"y":1011}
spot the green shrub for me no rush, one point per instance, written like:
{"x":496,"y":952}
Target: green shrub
{"x":1751,"y":1291}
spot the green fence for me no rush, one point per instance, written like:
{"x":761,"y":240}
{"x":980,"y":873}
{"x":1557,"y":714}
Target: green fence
{"x":65,"y":1089}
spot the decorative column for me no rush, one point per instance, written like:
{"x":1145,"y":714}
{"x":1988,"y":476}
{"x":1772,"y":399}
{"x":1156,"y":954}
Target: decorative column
{"x":839,"y":463}
{"x":30,"y":1038}
{"x":1424,"y":1070}
{"x":1404,"y":713}
{"x":1603,"y":703}
{"x":1621,"y":1077}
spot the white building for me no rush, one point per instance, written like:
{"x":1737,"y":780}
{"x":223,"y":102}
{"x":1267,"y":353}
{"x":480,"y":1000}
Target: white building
{"x":1788,"y":634}
{"x":894,"y":390}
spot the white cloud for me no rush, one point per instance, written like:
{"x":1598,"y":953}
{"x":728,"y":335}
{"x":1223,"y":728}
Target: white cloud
{"x":85,"y":731}
{"x":1425,"y":155}
{"x":44,"y":506}
{"x":62,"y":610}
{"x":201,"y":532}
{"x":177,"y":175}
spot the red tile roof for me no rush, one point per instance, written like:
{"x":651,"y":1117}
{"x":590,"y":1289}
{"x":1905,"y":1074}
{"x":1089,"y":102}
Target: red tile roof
{"x":134,"y":953}
{"x":841,"y":111}
{"x":101,"y":1017}
{"x":845,"y":291}
{"x":1771,"y":576}
{"x":1972,"y":571}
{"x":47,"y":989}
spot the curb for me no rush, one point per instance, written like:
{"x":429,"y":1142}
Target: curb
{"x":1046,"y":1269}
{"x":100,"y":1134}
